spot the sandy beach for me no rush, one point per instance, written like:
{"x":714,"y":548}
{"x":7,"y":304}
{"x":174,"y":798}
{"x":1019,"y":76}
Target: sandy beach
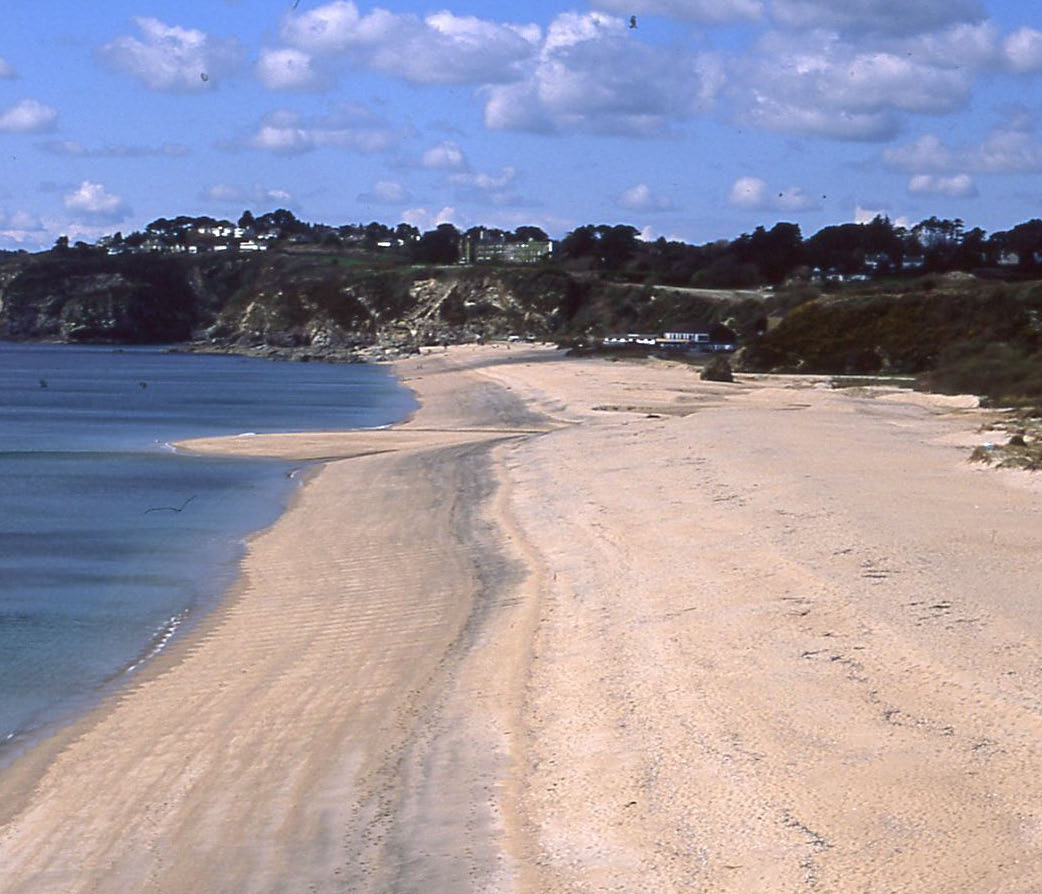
{"x":586,"y":626}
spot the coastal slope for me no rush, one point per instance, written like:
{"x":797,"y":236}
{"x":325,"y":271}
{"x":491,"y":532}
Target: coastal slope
{"x":580,"y":626}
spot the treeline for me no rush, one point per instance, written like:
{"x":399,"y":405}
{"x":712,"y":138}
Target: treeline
{"x":876,"y":248}
{"x":765,"y":256}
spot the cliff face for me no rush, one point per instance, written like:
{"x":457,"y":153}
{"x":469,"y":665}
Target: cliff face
{"x":319,"y":302}
{"x":127,"y":300}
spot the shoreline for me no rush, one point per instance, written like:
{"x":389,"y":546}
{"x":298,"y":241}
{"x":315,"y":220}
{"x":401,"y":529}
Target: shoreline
{"x":578,"y":625}
{"x":57,"y":762}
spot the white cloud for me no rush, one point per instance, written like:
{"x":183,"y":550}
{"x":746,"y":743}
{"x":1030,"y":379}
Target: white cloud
{"x":6,"y":69}
{"x":424,"y":220}
{"x":1023,"y":50}
{"x":959,"y":186}
{"x":749,"y":193}
{"x":864,"y":215}
{"x":592,"y":75}
{"x":385,"y":192}
{"x":21,"y":228}
{"x":28,"y":116}
{"x":641,"y":198}
{"x":256,"y":196}
{"x":820,"y":85}
{"x":92,"y":201}
{"x":486,"y":181}
{"x":704,"y":11}
{"x":350,"y":127}
{"x":1006,"y":150}
{"x":442,"y":48}
{"x":753,"y":194}
{"x":288,"y":69}
{"x":446,"y":156}
{"x":489,"y":189}
{"x":927,"y":153}
{"x":26,"y":231}
{"x":169,"y":57}
{"x":75,"y":149}
{"x":884,"y":16}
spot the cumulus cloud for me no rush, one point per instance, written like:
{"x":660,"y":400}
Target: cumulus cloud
{"x":349,"y":127}
{"x":821,"y":85}
{"x":28,"y":116}
{"x":927,"y":153}
{"x":486,"y":181}
{"x":864,"y":215}
{"x":91,"y":201}
{"x":169,"y":57}
{"x":749,"y":193}
{"x":590,"y":75}
{"x":489,"y":189}
{"x":1006,"y":150}
{"x":75,"y":149}
{"x":979,"y":46}
{"x":753,"y":194}
{"x":1023,"y":50}
{"x":441,"y":48}
{"x":257,"y":196}
{"x":288,"y":69}
{"x":21,"y":228}
{"x":446,"y":156}
{"x":6,"y":69}
{"x":885,"y":16}
{"x":425,"y":220}
{"x":703,"y":11}
{"x":385,"y":192}
{"x":959,"y":186}
{"x":641,"y":198}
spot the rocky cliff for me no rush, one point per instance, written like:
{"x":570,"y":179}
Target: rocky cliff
{"x":316,"y":303}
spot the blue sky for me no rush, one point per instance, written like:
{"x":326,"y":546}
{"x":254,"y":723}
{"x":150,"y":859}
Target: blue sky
{"x":709,"y":118}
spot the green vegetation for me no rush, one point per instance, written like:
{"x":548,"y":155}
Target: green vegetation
{"x":957,"y":335}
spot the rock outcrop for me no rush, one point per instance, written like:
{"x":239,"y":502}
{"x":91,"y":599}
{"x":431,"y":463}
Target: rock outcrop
{"x":297,"y":303}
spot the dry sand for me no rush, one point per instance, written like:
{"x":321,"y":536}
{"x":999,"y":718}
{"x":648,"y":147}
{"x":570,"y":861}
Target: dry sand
{"x":584,"y":626}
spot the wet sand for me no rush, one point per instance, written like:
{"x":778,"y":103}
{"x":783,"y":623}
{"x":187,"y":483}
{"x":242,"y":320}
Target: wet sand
{"x":584,"y":626}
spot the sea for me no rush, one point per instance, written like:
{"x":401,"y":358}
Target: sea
{"x":111,"y":542}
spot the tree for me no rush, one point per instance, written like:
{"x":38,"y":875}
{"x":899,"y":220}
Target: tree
{"x":530,"y":234}
{"x":438,"y":246}
{"x":617,"y":245}
{"x":376,"y":233}
{"x":775,"y":252}
{"x":282,"y":222}
{"x":580,"y":242}
{"x":406,"y":233}
{"x":1026,"y":240}
{"x":940,"y":240}
{"x":247,"y":221}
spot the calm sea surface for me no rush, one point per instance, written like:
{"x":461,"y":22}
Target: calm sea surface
{"x":110,"y":541}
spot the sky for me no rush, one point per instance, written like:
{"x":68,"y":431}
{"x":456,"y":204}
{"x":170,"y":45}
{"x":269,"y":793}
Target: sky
{"x":705,"y":120}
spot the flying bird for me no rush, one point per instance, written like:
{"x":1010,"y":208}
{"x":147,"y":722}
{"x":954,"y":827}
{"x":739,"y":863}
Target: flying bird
{"x":171,"y":508}
{"x":633,"y":21}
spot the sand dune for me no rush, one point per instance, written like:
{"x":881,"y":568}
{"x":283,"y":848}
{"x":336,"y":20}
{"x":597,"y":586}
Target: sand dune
{"x":584,"y":626}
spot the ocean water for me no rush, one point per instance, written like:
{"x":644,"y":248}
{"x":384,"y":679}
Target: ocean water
{"x":111,"y":542}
